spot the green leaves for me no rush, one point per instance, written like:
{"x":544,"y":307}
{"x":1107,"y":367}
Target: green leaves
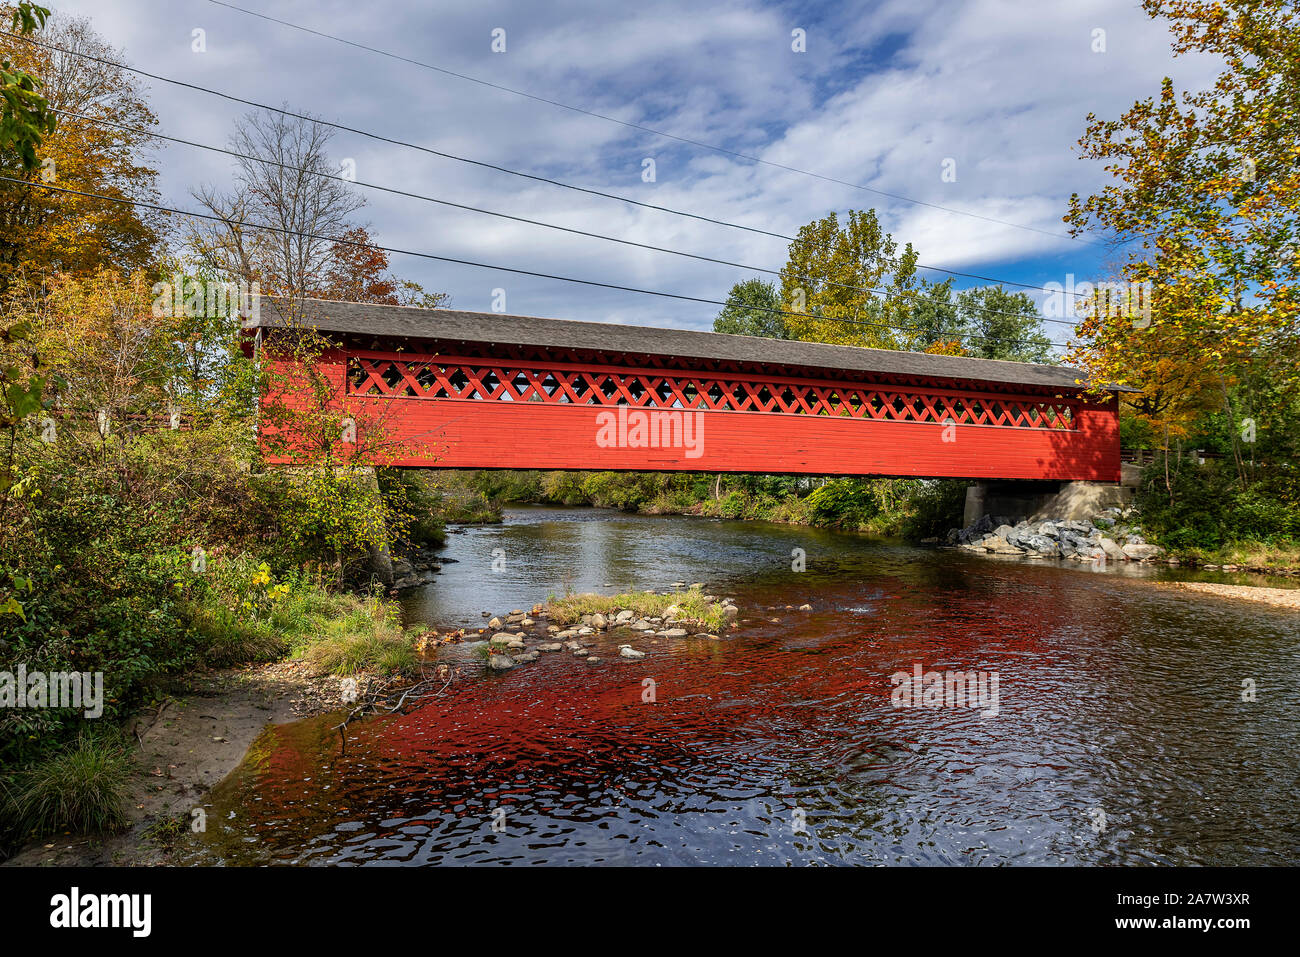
{"x":753,"y":309}
{"x":25,"y":117}
{"x":849,"y":283}
{"x":29,"y":17}
{"x":20,"y":396}
{"x":11,"y":605}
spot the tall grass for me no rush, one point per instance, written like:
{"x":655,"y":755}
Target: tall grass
{"x":81,"y":788}
{"x":356,"y":635}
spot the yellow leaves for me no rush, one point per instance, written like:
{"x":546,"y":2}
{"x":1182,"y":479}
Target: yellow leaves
{"x":845,"y":282}
{"x":262,"y":576}
{"x":50,"y":232}
{"x":949,"y":348}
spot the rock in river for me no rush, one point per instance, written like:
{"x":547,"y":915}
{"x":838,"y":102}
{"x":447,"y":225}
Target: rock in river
{"x":1142,"y":552}
{"x":1112,"y":549}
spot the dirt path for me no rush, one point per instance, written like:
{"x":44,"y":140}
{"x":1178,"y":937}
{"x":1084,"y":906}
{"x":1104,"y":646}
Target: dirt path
{"x":1280,"y":597}
{"x":184,"y":748}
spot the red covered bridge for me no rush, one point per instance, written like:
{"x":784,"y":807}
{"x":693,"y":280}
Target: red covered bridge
{"x":450,"y":389}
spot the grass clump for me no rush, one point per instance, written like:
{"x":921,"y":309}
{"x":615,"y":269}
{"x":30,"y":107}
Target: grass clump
{"x":645,"y":604}
{"x":1247,"y":554}
{"x":80,"y":788}
{"x":166,"y":832}
{"x":356,"y":635}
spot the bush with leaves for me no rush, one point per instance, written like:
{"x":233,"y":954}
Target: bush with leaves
{"x":1207,"y":507}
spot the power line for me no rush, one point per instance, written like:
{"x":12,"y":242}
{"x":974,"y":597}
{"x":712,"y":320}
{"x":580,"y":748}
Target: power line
{"x":871,"y":290}
{"x":641,"y":128}
{"x":157,"y":207}
{"x":492,"y":166}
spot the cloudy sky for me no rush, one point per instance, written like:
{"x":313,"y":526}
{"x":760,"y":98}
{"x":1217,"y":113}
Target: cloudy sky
{"x":885,"y":96}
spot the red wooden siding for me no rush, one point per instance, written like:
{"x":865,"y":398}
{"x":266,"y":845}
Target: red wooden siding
{"x":515,"y":412}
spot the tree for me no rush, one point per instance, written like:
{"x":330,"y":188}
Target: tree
{"x":25,"y":117}
{"x":358,"y":272}
{"x":753,"y":309}
{"x":283,"y":180}
{"x":1205,"y":199}
{"x":312,"y":247}
{"x":106,"y":153}
{"x":1003,"y":325}
{"x":848,"y":284}
{"x":936,"y":322}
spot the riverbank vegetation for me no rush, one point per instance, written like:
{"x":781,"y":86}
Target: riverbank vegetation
{"x":910,"y":508}
{"x":142,"y":537}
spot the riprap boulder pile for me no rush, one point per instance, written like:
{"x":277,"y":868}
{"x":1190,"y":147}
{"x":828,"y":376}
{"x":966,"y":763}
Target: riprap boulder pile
{"x":1110,"y":536}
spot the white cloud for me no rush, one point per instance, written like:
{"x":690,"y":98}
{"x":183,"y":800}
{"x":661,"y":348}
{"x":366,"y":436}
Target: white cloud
{"x":882,"y":97}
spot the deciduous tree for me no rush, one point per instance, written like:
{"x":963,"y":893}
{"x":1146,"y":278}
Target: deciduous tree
{"x":93,"y":149}
{"x":753,"y":309}
{"x":1204,"y":199}
{"x":849,"y":284}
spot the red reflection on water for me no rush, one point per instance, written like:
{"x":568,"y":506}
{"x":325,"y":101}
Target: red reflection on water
{"x":790,"y":714}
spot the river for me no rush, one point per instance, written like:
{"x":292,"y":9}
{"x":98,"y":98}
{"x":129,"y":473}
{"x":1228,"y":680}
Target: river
{"x":1120,"y":735}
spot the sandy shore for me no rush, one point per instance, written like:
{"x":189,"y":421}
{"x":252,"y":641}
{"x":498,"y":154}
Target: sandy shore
{"x":184,"y":748}
{"x":1279,"y":597}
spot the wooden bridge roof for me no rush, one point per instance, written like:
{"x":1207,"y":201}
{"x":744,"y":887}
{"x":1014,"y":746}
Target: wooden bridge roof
{"x":368,"y":319}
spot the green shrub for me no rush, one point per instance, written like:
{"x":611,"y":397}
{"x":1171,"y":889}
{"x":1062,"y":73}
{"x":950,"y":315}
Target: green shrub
{"x":563,"y":488}
{"x":81,"y":788}
{"x":103,"y":596}
{"x":935,"y":507}
{"x":732,"y":505}
{"x":622,"y":490}
{"x":848,"y":503}
{"x":327,"y":512}
{"x":450,"y":496}
{"x":509,"y":486}
{"x":1211,"y":508}
{"x":413,"y":492}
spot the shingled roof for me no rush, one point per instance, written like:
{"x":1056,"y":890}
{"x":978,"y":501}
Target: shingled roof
{"x":451,"y":325}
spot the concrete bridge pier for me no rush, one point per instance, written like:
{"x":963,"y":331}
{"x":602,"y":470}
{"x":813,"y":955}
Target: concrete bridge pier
{"x":1034,"y":501}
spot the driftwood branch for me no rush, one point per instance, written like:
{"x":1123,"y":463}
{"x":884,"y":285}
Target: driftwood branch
{"x":378,"y":697}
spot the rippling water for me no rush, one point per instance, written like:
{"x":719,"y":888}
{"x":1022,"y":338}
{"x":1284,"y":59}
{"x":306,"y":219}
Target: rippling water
{"x":1120,"y":735}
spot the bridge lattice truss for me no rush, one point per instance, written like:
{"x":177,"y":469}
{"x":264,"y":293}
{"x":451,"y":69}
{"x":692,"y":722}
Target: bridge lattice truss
{"x":482,"y":379}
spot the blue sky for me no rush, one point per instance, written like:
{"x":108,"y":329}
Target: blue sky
{"x":885,"y":93}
